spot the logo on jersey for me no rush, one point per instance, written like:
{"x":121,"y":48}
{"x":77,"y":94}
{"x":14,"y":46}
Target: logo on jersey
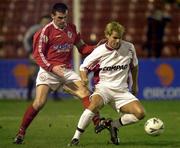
{"x":63,"y":47}
{"x":115,"y":68}
{"x":69,"y":34}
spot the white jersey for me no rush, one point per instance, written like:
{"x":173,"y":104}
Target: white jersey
{"x":111,"y":67}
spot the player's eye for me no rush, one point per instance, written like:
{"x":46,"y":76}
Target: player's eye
{"x":116,"y":37}
{"x":62,"y":17}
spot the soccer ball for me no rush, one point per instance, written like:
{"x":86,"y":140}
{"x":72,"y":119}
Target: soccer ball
{"x":154,"y":126}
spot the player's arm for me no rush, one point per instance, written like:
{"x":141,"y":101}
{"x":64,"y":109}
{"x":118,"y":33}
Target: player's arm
{"x":89,"y":63}
{"x":84,"y":71}
{"x":85,"y":49}
{"x":82,"y":47}
{"x":40,"y":42}
{"x":84,"y":76}
{"x":134,"y":72}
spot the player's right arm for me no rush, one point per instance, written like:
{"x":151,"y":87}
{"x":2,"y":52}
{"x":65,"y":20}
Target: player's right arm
{"x":40,"y":49}
{"x":89,"y":63}
{"x":84,"y":76}
{"x":40,"y":52}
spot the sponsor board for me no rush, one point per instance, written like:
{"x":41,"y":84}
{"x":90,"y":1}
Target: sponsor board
{"x":158,"y":79}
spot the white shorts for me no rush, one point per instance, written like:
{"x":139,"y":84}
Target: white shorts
{"x":114,"y":96}
{"x":55,"y":82}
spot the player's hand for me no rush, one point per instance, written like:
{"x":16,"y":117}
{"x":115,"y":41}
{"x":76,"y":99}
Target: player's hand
{"x":58,"y":70}
{"x":85,"y":82}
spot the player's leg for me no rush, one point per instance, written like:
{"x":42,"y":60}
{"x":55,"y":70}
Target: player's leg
{"x":132,"y":113}
{"x":32,"y":111}
{"x":78,"y":89}
{"x":131,"y":108}
{"x":86,"y":117}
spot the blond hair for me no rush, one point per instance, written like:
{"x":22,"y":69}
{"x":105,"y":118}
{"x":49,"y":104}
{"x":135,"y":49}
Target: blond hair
{"x":114,"y":26}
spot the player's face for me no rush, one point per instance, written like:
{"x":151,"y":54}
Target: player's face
{"x":114,"y":40}
{"x":60,"y":19}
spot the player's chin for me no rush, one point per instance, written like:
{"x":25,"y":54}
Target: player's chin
{"x":61,"y":25}
{"x":115,"y":45}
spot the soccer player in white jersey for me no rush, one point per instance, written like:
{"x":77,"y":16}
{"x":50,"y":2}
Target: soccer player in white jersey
{"x":111,"y":63}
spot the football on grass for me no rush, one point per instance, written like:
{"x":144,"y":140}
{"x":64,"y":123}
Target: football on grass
{"x":154,"y":126}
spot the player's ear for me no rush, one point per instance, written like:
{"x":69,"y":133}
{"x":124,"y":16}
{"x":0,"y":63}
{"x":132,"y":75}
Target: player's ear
{"x":52,"y":15}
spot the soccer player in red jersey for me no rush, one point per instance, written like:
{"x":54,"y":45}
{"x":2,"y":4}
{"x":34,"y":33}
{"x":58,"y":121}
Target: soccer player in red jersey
{"x":52,"y":51}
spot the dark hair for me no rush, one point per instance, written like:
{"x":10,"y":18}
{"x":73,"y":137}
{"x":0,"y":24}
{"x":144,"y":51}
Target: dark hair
{"x":60,"y":7}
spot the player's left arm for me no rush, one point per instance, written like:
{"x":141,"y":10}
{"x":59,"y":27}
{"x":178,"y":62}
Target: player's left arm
{"x":134,"y":72}
{"x":84,"y":48}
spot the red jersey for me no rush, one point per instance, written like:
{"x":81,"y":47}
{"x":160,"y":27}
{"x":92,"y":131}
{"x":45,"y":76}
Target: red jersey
{"x":53,"y":46}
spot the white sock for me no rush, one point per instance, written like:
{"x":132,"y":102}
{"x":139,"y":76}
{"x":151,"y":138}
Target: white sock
{"x":125,"y":120}
{"x":84,"y":121}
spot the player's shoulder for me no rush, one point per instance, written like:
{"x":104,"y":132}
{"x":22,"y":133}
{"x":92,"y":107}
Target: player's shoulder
{"x":99,"y":50}
{"x":44,"y":30}
{"x":128,"y":46}
{"x":100,"y":47}
{"x":127,"y":43}
{"x":47,"y":28}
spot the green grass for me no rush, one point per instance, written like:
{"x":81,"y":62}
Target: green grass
{"x":56,"y":123}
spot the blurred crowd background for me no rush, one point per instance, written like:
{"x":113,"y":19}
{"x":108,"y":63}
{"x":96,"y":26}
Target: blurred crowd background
{"x":153,"y":26}
{"x":16,"y":16}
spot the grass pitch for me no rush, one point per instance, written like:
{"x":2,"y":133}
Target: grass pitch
{"x":56,"y":124}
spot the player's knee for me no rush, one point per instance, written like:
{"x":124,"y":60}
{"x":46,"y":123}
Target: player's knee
{"x":96,"y":103}
{"x":38,"y":104}
{"x":94,"y":107}
{"x":140,"y":114}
